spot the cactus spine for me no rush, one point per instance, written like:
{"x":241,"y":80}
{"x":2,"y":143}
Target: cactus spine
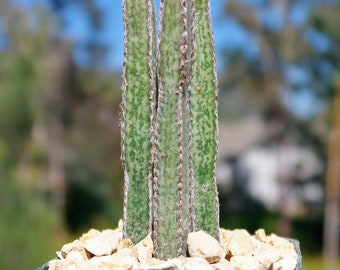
{"x":169,"y":141}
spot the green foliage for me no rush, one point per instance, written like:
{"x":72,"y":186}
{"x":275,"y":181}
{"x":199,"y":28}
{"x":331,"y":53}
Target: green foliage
{"x":15,"y":91}
{"x":85,"y":190}
{"x":169,"y":148}
{"x":26,"y":227}
{"x":32,"y":228}
{"x":315,"y":262}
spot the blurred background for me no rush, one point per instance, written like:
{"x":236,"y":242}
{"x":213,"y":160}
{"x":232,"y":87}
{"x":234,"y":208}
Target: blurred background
{"x":279,"y":157}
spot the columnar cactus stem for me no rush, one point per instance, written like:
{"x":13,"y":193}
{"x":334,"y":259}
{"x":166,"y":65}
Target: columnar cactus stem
{"x":169,"y":149}
{"x":203,"y":124}
{"x":169,"y":165}
{"x":138,"y":105}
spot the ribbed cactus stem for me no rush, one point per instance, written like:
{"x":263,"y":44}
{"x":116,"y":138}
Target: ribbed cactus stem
{"x":203,"y":124}
{"x":169,"y":142}
{"x":138,"y":105}
{"x":169,"y":158}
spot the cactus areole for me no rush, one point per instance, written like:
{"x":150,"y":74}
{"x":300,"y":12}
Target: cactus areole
{"x":169,"y":123}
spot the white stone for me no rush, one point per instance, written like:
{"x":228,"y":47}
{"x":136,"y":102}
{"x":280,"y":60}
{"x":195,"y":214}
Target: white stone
{"x":225,"y":235}
{"x":54,"y":265}
{"x":101,"y":259}
{"x":287,"y":252}
{"x":90,"y":234}
{"x":260,"y":252}
{"x":203,"y":245}
{"x":69,"y":265}
{"x":266,"y":254}
{"x":120,"y":225}
{"x":76,"y":257}
{"x":100,"y":266}
{"x":245,"y":263}
{"x":197,"y":264}
{"x":144,"y":251}
{"x":107,"y":250}
{"x":277,"y":266}
{"x":223,"y":264}
{"x":59,"y":255}
{"x":260,"y":235}
{"x":287,"y":262}
{"x":124,"y":258}
{"x":240,"y":243}
{"x":280,"y":242}
{"x":172,"y":264}
{"x":76,"y":245}
{"x":155,"y":262}
{"x":125,"y":243}
{"x":104,"y":243}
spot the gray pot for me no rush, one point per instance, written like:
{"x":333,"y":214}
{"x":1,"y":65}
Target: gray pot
{"x":297,"y":247}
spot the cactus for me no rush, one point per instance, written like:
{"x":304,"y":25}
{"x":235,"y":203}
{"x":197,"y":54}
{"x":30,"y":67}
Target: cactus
{"x":169,"y":124}
{"x":138,"y":102}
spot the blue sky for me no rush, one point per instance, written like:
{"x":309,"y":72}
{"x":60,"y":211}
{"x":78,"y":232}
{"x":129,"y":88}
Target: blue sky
{"x":227,"y":32}
{"x":113,"y":30}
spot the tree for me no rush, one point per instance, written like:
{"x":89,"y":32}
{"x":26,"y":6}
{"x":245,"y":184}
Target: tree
{"x":332,"y":202}
{"x":325,"y":21}
{"x":270,"y":76}
{"x":294,"y":56}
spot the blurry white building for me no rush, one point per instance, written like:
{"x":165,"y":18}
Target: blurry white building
{"x":268,"y":170}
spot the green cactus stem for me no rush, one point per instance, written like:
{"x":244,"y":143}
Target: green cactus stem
{"x":169,"y":181}
{"x":169,"y":130}
{"x":203,"y":124}
{"x":187,"y":127}
{"x":138,"y":105}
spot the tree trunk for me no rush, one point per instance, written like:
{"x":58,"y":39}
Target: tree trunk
{"x":332,"y":216}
